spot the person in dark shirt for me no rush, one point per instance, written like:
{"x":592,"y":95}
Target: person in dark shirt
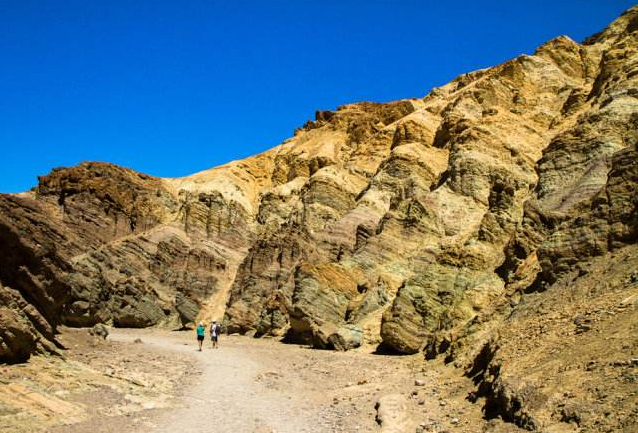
{"x":215,"y":330}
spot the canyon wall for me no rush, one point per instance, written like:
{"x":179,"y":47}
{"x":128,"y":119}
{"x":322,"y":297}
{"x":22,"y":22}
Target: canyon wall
{"x":438,"y":224}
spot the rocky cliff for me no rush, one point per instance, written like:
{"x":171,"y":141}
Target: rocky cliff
{"x":437,"y":224}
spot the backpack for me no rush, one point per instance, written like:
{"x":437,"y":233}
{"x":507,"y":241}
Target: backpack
{"x":215,"y":329}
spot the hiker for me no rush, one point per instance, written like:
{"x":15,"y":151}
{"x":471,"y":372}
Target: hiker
{"x":201,"y":333}
{"x":215,"y":330}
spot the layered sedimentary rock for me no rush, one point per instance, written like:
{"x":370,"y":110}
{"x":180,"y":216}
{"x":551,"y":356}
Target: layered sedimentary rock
{"x":99,"y":243}
{"x":416,"y":224}
{"x":23,"y":330}
{"x":436,"y":209}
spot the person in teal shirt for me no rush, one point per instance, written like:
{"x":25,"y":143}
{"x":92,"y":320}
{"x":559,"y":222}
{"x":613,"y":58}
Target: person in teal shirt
{"x":201,"y":333}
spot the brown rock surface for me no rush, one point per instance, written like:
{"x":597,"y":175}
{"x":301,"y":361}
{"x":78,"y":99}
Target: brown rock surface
{"x":424,"y":224}
{"x":19,"y":323}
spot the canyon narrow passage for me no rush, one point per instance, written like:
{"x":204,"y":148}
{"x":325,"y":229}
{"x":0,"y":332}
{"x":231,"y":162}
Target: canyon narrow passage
{"x":234,"y":392}
{"x":251,"y":385}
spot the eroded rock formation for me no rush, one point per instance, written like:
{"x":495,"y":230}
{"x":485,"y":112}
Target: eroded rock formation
{"x":417,"y":225}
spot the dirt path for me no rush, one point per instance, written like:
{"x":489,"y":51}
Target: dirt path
{"x":247,"y":386}
{"x":228,"y":396}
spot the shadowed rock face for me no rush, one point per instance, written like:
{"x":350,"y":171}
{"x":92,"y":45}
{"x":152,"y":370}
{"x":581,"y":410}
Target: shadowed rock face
{"x":23,"y":330}
{"x":409,"y":223}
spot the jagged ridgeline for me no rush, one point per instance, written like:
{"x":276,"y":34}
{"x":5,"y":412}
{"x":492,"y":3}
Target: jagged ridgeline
{"x":415,"y":225}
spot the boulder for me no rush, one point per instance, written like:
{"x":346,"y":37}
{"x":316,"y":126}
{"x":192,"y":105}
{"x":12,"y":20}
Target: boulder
{"x":346,"y":338}
{"x":99,"y":330}
{"x":137,"y":313}
{"x":186,"y":308}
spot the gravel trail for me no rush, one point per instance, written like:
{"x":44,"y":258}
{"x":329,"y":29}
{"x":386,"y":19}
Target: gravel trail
{"x":227,"y":396}
{"x":164,"y":384}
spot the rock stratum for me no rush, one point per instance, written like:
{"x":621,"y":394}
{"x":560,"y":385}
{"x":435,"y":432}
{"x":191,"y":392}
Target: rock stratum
{"x":493,"y":222}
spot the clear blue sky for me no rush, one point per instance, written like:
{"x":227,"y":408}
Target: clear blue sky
{"x":171,"y":88}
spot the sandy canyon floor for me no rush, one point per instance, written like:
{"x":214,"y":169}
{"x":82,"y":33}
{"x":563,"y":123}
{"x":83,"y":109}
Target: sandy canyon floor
{"x":157,"y":381}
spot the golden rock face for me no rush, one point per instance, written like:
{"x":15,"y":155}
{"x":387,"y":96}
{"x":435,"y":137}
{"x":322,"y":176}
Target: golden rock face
{"x":412,"y":223}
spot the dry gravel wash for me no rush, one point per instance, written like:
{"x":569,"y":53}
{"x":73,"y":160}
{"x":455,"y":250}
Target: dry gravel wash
{"x":248,"y":385}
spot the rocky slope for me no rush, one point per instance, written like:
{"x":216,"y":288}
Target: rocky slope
{"x":443,"y":224}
